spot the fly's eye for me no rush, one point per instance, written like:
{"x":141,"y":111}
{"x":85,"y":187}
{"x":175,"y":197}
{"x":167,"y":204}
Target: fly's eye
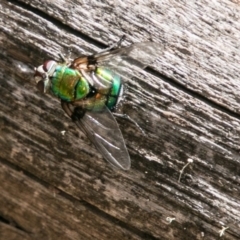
{"x":49,"y":66}
{"x":40,"y":86}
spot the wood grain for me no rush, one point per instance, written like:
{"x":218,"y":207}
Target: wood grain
{"x":56,"y":186}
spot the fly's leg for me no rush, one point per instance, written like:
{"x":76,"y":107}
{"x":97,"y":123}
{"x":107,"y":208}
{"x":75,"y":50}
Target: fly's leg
{"x":125,"y":116}
{"x":75,"y":114}
{"x":113,"y":46}
{"x":65,"y":107}
{"x":117,"y":44}
{"x":64,"y":60}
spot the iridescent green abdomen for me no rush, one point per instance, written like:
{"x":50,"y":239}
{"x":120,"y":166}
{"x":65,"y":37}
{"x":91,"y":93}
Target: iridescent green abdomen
{"x":68,"y":84}
{"x":113,"y":91}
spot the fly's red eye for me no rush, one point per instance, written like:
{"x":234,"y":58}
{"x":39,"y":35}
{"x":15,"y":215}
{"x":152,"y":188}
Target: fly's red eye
{"x":48,"y":65}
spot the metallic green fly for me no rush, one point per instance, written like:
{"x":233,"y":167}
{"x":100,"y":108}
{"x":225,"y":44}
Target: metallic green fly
{"x":90,"y":88}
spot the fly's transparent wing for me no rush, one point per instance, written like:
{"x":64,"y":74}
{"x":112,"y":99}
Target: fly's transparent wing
{"x":124,"y":60}
{"x":103,"y":131}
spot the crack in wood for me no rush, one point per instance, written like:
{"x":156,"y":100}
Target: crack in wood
{"x":12,"y":223}
{"x":58,"y":23}
{"x":192,"y":93}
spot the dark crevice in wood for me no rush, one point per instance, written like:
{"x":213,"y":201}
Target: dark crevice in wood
{"x":4,"y":220}
{"x":89,"y":206}
{"x":194,"y":94}
{"x":11,"y":223}
{"x":58,"y":23}
{"x":110,"y":218}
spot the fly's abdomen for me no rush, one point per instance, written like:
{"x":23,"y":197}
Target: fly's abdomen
{"x":68,"y":84}
{"x":113,"y":91}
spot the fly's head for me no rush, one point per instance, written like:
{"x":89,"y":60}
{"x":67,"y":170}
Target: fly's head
{"x":43,"y":75}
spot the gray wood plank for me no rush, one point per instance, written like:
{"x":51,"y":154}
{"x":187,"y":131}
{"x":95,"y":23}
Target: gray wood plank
{"x":56,"y":186}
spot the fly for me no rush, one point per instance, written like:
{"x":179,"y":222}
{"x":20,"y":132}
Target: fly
{"x":90,"y":88}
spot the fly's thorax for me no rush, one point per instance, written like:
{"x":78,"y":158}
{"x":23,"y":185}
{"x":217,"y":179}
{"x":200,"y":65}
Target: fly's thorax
{"x":68,"y":84}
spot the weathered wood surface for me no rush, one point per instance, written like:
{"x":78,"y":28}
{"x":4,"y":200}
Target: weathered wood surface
{"x":58,"y":187}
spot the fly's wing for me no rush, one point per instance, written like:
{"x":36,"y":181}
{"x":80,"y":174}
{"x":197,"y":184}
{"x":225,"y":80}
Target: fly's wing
{"x":103,"y":131}
{"x":121,"y":60}
{"x":139,"y":54}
